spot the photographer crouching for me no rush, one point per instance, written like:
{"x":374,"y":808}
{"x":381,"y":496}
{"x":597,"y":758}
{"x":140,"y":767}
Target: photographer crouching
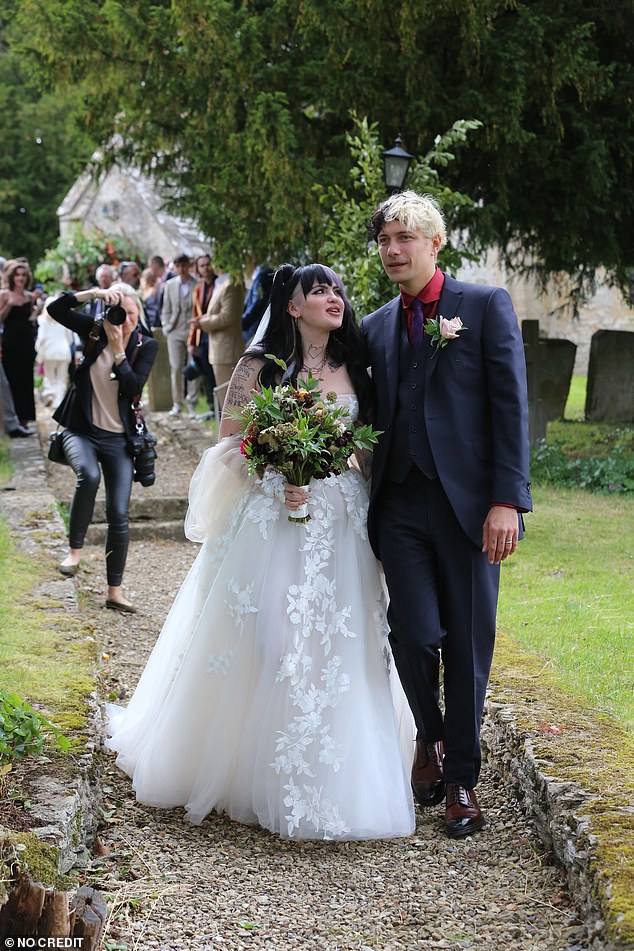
{"x":100,"y":423}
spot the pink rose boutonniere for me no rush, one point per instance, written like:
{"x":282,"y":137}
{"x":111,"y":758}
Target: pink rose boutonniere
{"x":441,"y":330}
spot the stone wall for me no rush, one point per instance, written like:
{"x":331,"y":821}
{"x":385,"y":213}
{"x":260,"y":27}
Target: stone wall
{"x":607,"y":310}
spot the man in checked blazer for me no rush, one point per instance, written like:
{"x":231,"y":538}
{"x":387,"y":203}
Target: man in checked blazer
{"x":449,"y":484}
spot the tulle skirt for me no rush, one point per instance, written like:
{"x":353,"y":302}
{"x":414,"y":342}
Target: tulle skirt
{"x":270,"y":694}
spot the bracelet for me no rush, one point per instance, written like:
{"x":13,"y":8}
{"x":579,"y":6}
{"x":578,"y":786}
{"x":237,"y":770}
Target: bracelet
{"x":118,"y":356}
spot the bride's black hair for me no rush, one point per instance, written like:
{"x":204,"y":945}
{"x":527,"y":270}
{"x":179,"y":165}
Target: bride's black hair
{"x":281,"y":337}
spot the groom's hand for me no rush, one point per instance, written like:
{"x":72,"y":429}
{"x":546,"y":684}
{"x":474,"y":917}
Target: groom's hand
{"x":500,"y":533}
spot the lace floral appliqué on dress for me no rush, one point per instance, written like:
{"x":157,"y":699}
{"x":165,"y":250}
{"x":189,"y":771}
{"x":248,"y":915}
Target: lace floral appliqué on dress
{"x":268,"y":695}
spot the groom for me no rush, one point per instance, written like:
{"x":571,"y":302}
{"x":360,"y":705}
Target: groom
{"x":449,"y":481}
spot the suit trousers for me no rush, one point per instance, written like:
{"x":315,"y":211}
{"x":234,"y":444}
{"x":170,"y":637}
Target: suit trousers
{"x":443,"y":603}
{"x":85,"y":453}
{"x":177,"y":356}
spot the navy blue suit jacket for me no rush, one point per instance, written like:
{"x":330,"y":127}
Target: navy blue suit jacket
{"x":476,"y":406}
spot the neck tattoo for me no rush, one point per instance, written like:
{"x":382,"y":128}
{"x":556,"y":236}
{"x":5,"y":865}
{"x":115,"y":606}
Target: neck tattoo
{"x":318,"y":356}
{"x":326,"y":361}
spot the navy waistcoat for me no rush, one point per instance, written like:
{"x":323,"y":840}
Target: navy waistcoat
{"x":410,"y":444}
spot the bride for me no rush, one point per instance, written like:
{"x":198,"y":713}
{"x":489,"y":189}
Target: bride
{"x":269,"y":693}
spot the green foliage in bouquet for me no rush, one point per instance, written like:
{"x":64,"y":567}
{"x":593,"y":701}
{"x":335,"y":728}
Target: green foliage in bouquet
{"x":297,"y":432}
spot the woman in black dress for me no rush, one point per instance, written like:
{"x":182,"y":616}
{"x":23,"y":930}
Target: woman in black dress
{"x":18,"y":314}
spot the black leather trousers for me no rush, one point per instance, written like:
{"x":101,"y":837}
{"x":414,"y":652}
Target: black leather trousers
{"x":85,"y":454}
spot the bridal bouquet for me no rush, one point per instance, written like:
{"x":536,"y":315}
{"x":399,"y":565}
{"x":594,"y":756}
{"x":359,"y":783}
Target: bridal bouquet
{"x":299,"y":433}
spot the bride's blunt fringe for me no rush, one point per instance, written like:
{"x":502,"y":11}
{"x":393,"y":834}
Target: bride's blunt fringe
{"x":345,"y":345}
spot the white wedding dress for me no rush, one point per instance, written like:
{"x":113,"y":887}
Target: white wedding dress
{"x":269,"y":694}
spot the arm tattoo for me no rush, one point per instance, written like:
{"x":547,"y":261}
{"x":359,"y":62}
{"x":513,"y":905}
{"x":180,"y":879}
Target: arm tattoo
{"x":243,"y":382}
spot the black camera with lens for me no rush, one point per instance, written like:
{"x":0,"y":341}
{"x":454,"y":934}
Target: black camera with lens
{"x":144,"y":456}
{"x":115,"y":314}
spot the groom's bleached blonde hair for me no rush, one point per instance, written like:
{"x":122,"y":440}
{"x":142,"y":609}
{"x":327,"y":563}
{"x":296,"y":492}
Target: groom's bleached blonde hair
{"x":415,"y":212}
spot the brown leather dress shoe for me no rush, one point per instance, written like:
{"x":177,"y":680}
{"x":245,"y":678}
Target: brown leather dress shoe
{"x":427,"y":783}
{"x":462,"y":812}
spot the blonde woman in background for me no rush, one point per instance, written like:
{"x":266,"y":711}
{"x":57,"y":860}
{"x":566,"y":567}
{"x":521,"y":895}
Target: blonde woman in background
{"x":99,"y":421}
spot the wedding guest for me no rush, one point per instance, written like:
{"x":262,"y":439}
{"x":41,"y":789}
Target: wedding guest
{"x":175,"y":316}
{"x":223,"y":324}
{"x":257,"y":300}
{"x":97,"y":413}
{"x":449,"y":481}
{"x":104,"y":275}
{"x":275,"y":645}
{"x":198,"y":340}
{"x":53,"y":350}
{"x":130,"y":273}
{"x":151,"y":297}
{"x":163,"y":273}
{"x":10,"y":422}
{"x":19,"y":308}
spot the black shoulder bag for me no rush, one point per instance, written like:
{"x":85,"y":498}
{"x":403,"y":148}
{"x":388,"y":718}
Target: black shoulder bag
{"x":141,"y":446}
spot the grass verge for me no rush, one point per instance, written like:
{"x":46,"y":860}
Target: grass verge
{"x":46,"y":654}
{"x":568,"y":595}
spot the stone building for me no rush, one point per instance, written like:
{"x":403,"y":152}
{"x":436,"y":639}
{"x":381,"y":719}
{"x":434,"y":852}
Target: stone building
{"x":125,"y":202}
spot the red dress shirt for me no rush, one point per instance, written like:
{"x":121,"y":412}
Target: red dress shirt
{"x":429,"y":297}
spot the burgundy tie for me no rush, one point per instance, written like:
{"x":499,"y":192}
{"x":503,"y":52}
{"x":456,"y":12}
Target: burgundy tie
{"x":418,"y":321}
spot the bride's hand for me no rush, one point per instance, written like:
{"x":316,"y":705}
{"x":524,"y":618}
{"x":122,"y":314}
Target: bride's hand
{"x":294,"y":496}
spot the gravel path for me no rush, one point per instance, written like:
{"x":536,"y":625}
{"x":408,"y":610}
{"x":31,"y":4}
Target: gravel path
{"x":171,"y":885}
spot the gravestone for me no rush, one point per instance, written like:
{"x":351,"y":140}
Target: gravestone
{"x":159,"y":382}
{"x":549,"y":366}
{"x":536,"y":414}
{"x":610,"y":391}
{"x":556,"y":361}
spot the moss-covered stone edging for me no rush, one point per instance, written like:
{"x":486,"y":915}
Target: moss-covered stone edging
{"x":64,"y":795}
{"x":574,"y":772}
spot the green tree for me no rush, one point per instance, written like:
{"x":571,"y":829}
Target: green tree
{"x":40,"y":157}
{"x":243,"y":105}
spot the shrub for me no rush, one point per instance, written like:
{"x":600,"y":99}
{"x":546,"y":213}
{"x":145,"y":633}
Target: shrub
{"x":24,"y":731}
{"x":73,"y":261}
{"x":611,"y":472}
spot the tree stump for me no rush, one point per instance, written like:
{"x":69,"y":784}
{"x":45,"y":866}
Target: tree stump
{"x":32,"y":911}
